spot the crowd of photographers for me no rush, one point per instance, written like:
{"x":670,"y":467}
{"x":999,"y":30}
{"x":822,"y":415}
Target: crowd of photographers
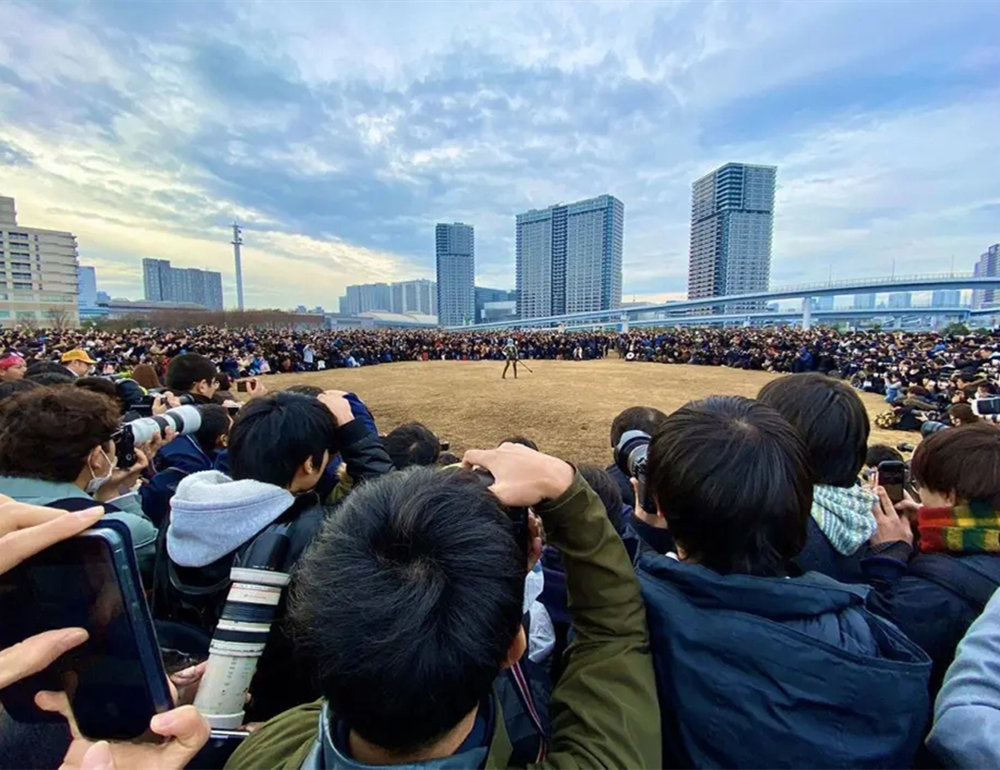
{"x":748,"y":583}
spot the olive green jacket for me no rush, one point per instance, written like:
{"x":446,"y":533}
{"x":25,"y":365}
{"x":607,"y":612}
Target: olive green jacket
{"x":604,"y":709}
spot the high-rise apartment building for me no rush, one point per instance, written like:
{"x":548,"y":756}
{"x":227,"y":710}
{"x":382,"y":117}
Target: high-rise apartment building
{"x":367,"y":297}
{"x":569,"y":257}
{"x":900,"y":300}
{"x":404,"y":297}
{"x":38,"y":273}
{"x":864,"y":301}
{"x":987,"y":266}
{"x":455,"y":250}
{"x":946,"y":298}
{"x":732,"y":221}
{"x":163,"y":283}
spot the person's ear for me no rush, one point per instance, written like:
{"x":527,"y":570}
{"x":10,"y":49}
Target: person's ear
{"x":518,"y":646}
{"x":96,"y":458}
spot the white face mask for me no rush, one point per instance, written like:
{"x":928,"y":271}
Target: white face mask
{"x":96,"y":483}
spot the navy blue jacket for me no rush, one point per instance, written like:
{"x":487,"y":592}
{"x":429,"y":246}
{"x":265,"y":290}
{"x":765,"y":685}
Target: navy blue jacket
{"x":819,"y":555}
{"x":181,"y":457}
{"x":778,"y":672}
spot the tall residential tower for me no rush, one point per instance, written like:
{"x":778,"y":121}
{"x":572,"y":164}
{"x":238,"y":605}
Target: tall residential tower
{"x":455,"y":246}
{"x":732,"y":219}
{"x":569,"y":258}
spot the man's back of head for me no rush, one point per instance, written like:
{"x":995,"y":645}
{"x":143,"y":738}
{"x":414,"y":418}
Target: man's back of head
{"x":410,"y":601}
{"x":831,"y":419}
{"x":412,"y":444}
{"x":273,"y":437}
{"x":645,"y":418}
{"x":732,"y":479}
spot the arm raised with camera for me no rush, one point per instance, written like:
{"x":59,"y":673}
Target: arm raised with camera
{"x":604,"y":709}
{"x":363,"y":451}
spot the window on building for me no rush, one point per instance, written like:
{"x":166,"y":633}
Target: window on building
{"x":4,"y":314}
{"x":26,"y":315}
{"x":22,"y":286}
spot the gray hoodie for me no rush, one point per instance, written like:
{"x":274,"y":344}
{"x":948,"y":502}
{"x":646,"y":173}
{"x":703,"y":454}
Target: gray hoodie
{"x":966,"y":732}
{"x":212,"y":515}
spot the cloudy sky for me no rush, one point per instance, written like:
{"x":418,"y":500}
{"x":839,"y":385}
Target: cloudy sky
{"x":339,"y":133}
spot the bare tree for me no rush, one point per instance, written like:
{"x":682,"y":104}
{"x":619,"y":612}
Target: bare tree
{"x":58,"y":319}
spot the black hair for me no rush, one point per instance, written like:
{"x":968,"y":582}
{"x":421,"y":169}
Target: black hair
{"x":880,"y":453}
{"x":99,"y":385}
{"x":412,"y":444}
{"x":606,"y":488}
{"x":52,"y":378}
{"x":732,"y":479}
{"x":223,"y":379}
{"x":408,"y":601}
{"x":447,"y":458}
{"x":13,"y":387}
{"x":522,"y":440}
{"x":215,"y":422}
{"x":831,"y":419}
{"x":40,"y":367}
{"x":644,"y":418}
{"x":963,"y":461}
{"x":273,"y":435}
{"x":187,"y":370}
{"x":305,"y":390}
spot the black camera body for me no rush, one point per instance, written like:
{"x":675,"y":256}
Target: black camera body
{"x":144,"y":407}
{"x":631,"y":457}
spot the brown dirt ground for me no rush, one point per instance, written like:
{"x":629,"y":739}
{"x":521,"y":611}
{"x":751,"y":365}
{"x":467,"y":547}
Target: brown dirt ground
{"x":564,"y":406}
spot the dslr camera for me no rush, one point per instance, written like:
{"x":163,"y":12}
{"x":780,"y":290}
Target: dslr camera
{"x":145,"y":405}
{"x":631,"y":459}
{"x":183,"y":419}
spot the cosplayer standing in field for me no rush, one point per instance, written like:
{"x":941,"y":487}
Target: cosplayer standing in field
{"x":510,"y":352}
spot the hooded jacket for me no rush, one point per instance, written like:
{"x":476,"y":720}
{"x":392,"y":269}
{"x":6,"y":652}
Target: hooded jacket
{"x":778,"y":672}
{"x":175,"y":461}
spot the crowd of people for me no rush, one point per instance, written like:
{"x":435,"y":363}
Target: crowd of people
{"x":738,"y":587}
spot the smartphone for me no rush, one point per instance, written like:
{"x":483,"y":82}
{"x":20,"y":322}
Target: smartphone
{"x":242,"y":386}
{"x":115,"y":680}
{"x":892,"y":478}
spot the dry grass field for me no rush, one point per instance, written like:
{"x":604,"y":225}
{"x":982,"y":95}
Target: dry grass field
{"x":565,"y":406}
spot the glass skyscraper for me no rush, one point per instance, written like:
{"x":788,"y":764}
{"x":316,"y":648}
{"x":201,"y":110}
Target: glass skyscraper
{"x":455,"y":247}
{"x":732,"y":219}
{"x":569,"y":258}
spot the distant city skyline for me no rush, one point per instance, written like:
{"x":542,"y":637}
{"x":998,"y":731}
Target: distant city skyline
{"x":338,"y":137}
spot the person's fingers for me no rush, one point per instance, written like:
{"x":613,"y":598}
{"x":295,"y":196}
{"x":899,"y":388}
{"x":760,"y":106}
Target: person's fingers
{"x":28,"y":540}
{"x":478,"y":458}
{"x":888,"y":509}
{"x":189,"y":731}
{"x":189,"y":675}
{"x":37,"y":653}
{"x":58,"y":703}
{"x":98,"y":757}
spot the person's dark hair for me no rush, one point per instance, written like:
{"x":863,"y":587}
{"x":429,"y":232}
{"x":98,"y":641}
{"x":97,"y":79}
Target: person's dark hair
{"x":98,"y":385}
{"x":42,"y":367}
{"x":273,"y":435}
{"x":305,"y":390}
{"x":447,"y":458}
{"x":644,"y":418}
{"x":963,"y":413}
{"x":606,"y":488}
{"x":424,"y":563}
{"x":146,"y":377}
{"x":880,"y":453}
{"x":831,"y":419}
{"x":215,"y":422}
{"x":964,"y":461}
{"x":47,"y":433}
{"x":732,"y":479}
{"x":187,"y":370}
{"x":8,"y":389}
{"x":412,"y":444}
{"x":987,"y":387}
{"x":50,"y":379}
{"x":224,"y":382}
{"x":522,"y":440}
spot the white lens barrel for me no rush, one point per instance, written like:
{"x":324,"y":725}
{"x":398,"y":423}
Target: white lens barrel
{"x":237,"y":644}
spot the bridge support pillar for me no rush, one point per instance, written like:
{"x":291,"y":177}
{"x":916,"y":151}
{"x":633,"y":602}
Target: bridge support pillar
{"x":624,"y":324}
{"x":806,"y":313}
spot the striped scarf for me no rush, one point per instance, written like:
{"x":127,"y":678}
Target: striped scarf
{"x":844,"y":515}
{"x":970,"y":528}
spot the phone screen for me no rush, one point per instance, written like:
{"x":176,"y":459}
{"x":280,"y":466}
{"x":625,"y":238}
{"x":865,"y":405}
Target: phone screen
{"x":892,"y":477}
{"x":241,"y":386}
{"x":76,"y":583}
